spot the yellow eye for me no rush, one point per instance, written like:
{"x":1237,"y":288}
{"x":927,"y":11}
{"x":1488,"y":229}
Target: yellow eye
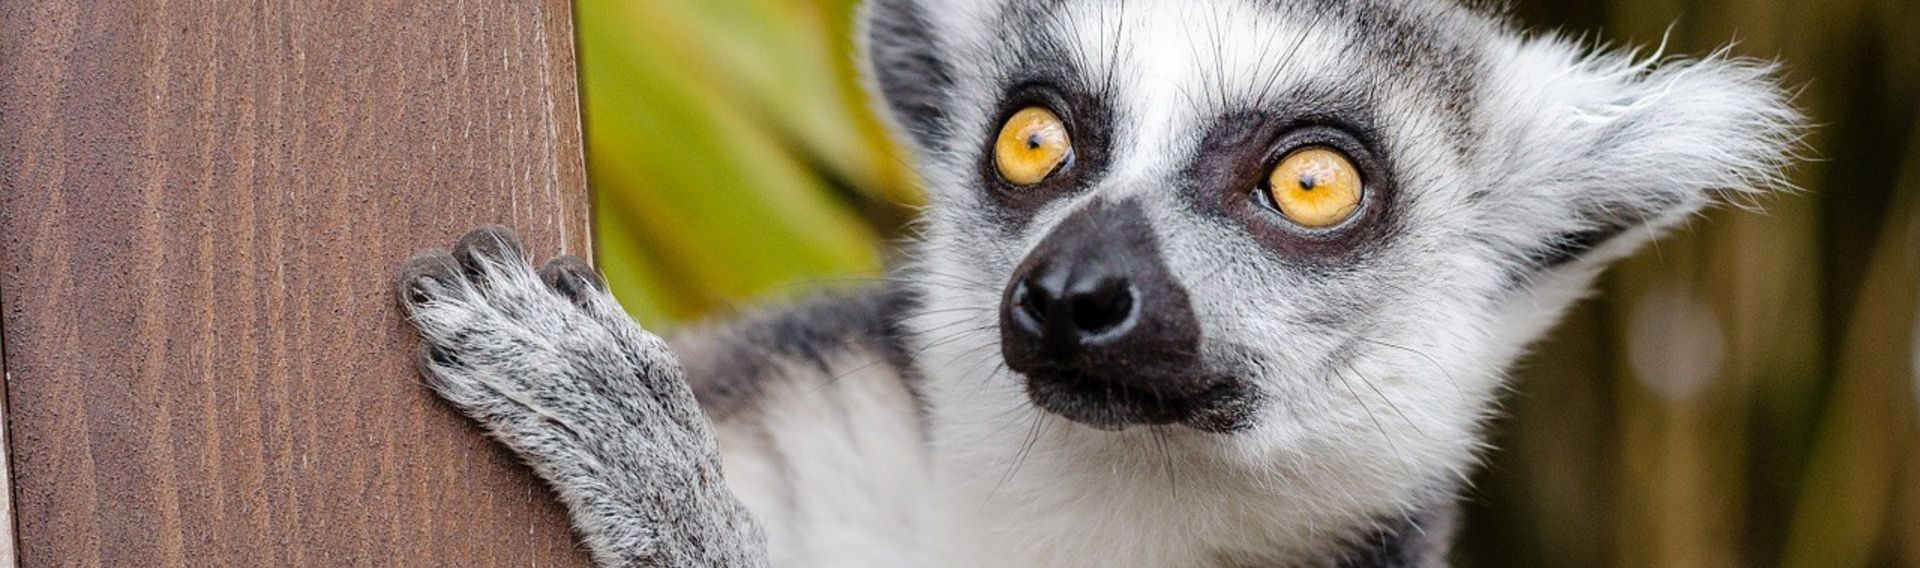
{"x":1316,"y":186}
{"x":1032,"y":144}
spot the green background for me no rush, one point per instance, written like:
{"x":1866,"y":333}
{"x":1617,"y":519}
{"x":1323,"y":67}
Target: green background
{"x":1740,"y":394}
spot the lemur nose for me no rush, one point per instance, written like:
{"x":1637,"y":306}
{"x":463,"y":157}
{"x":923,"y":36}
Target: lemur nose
{"x":1096,"y":322}
{"x":1095,"y":299}
{"x":1070,"y":305}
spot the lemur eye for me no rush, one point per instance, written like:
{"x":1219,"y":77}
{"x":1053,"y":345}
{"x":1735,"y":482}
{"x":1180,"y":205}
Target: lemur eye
{"x":1316,"y":187}
{"x":1032,"y":144}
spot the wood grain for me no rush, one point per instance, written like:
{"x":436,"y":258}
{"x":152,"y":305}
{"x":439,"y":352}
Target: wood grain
{"x":200,"y":206}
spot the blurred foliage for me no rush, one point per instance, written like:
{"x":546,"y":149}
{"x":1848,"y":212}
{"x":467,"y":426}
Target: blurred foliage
{"x":730,"y":150}
{"x":1740,"y":394}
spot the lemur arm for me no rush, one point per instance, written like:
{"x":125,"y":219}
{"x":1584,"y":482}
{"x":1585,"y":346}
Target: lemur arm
{"x":552,"y":367}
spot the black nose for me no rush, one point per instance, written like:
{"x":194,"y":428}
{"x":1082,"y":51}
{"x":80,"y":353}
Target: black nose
{"x":1073,"y":305}
{"x":1095,"y":299}
{"x":1099,"y":326}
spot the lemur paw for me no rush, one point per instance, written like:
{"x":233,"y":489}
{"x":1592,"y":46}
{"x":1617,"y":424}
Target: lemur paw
{"x":551,"y":366}
{"x":500,"y":340}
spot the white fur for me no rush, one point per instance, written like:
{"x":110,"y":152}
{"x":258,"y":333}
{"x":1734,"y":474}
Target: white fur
{"x":863,"y":483}
{"x":1372,"y":372}
{"x":1374,"y":416}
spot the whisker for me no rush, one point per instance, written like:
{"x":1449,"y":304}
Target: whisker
{"x":1026,"y":445}
{"x":1166,"y":455}
{"x":971,"y":309}
{"x":877,"y":359}
{"x":1370,"y":416}
{"x":1435,"y":362}
{"x":1389,"y":401}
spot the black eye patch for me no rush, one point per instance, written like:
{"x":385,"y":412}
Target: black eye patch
{"x":1088,"y":116}
{"x":1239,"y":150}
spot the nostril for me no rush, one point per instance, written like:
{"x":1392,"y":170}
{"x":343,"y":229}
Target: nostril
{"x":1104,"y":308}
{"x":1028,"y":310}
{"x":1065,"y":308}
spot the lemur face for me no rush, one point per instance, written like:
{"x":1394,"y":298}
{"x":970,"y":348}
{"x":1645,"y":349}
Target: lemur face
{"x":1292,"y":224}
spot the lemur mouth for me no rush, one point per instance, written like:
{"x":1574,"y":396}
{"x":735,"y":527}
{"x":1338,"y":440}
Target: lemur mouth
{"x":1114,"y":405}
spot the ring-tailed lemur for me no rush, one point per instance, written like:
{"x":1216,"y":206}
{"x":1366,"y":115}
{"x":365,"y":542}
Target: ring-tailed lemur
{"x":1202,"y":283}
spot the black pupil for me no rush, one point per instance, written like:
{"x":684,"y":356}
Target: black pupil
{"x":1033,"y":141}
{"x":1307,"y":183}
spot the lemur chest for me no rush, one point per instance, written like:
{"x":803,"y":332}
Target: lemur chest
{"x":1047,"y":514}
{"x":850,"y":473}
{"x":853,"y":453}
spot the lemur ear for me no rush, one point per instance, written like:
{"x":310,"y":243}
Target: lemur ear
{"x":905,"y":64}
{"x":1605,"y":151}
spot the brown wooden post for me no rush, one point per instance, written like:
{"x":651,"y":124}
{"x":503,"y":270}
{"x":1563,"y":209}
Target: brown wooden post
{"x":200,"y":207}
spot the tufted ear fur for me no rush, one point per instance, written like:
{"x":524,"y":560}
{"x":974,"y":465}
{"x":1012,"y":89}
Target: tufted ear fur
{"x":1600,"y":152}
{"x":906,"y":67}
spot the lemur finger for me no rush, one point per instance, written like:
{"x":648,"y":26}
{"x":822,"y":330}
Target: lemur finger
{"x":437,"y":365}
{"x":573,"y":279}
{"x":426,"y":276}
{"x":502,"y":401}
{"x":493,"y":259}
{"x":488,"y":248}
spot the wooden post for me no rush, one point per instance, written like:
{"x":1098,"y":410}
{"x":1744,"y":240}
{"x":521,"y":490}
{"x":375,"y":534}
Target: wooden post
{"x":201,"y":205}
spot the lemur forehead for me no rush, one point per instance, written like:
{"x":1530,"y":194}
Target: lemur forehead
{"x":1180,"y":61}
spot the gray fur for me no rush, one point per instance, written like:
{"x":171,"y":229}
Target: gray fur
{"x":908,"y":66}
{"x":596,"y":405}
{"x":884,"y":428}
{"x":731,"y":364}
